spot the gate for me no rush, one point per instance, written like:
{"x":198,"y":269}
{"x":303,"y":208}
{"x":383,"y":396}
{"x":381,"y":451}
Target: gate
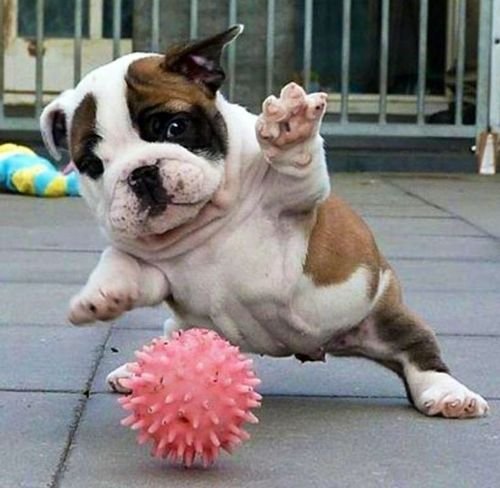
{"x":24,"y":90}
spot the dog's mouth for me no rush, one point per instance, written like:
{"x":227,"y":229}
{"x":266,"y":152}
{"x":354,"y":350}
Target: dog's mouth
{"x":161,"y":206}
{"x":208,"y":212}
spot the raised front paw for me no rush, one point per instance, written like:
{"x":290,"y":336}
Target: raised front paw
{"x":102,"y":303}
{"x":448,"y":397}
{"x":288,"y":123}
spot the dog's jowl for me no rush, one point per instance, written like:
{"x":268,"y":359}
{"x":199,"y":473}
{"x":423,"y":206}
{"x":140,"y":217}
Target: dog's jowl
{"x":228,"y":218}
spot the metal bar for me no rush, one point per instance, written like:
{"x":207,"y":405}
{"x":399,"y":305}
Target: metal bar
{"x":422,"y":60}
{"x":483,"y":68}
{"x":308,"y":26}
{"x":155,"y":26}
{"x":193,"y":19}
{"x":384,"y":62}
{"x":270,"y":46}
{"x":2,"y":61}
{"x":452,"y":9}
{"x":231,"y":54}
{"x":77,"y":46}
{"x":495,"y":71}
{"x":346,"y":55}
{"x":460,"y":65}
{"x":397,"y":130}
{"x":117,"y":27}
{"x":95,"y":19}
{"x":39,"y":57}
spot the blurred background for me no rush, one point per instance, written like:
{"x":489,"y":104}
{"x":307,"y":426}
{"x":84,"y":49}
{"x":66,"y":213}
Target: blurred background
{"x":411,"y":83}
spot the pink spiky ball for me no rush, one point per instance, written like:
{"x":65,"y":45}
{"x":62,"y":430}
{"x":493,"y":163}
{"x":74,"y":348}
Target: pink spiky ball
{"x":190,"y":396}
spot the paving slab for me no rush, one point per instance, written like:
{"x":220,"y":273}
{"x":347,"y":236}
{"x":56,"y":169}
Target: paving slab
{"x":320,"y":443}
{"x":35,"y":303}
{"x":48,"y":358}
{"x":424,"y":226}
{"x":447,"y":275}
{"x":151,"y":318}
{"x":367,"y":187}
{"x":34,"y":431}
{"x":361,"y":433}
{"x":38,"y":266}
{"x":439,"y":247}
{"x":47,"y":304}
{"x":391,"y":210}
{"x":74,"y":237}
{"x":474,"y":198}
{"x":458,"y":312}
{"x":473,"y":359}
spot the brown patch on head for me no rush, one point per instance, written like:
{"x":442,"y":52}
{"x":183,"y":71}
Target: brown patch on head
{"x":340,"y":242}
{"x":158,"y":99}
{"x":171,"y":98}
{"x":150,"y":85}
{"x":84,"y":137}
{"x":83,"y":124}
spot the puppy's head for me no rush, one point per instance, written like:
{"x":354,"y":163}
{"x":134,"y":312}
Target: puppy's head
{"x":146,"y":136}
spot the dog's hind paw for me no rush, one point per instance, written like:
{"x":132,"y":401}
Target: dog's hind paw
{"x":444,"y":395}
{"x":113,"y":379}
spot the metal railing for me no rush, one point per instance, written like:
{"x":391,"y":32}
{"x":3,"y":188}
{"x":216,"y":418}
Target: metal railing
{"x":345,"y":125}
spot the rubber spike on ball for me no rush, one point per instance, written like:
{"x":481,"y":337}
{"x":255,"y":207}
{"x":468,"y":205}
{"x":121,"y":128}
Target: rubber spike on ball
{"x":190,"y":396}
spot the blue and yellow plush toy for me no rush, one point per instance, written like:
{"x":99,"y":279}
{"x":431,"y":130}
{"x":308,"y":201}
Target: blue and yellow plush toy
{"x":23,"y":171}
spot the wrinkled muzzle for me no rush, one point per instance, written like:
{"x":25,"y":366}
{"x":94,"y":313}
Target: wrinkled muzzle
{"x":158,"y":190}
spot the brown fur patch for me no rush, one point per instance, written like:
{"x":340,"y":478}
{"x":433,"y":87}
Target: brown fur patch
{"x":339,"y":243}
{"x":149,"y":85}
{"x":83,"y":126}
{"x":404,"y":332}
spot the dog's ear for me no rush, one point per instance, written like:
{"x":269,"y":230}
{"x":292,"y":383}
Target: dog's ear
{"x":200,"y":61}
{"x":53,"y":125}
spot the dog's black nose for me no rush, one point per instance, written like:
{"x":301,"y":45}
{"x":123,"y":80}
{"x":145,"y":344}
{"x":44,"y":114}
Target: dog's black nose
{"x":145,"y":182}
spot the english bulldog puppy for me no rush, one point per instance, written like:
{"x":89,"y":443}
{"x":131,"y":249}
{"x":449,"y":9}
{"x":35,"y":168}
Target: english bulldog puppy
{"x":228,"y":218}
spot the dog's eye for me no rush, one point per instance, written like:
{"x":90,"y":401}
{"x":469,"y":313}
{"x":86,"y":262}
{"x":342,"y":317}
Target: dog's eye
{"x":176,"y":128}
{"x":161,"y":127}
{"x":155,"y":126}
{"x":91,"y":165}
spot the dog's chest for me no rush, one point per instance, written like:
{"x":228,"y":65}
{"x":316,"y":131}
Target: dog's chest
{"x":256,"y":261}
{"x":248,"y":283}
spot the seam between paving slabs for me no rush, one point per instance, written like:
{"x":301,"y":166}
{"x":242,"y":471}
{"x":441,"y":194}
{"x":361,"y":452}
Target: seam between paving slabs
{"x":439,"y":207}
{"x":326,"y":396}
{"x":39,"y":390}
{"x":78,"y":413}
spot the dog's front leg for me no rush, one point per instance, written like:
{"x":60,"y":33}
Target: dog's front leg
{"x":118,"y":283}
{"x":288,"y":133}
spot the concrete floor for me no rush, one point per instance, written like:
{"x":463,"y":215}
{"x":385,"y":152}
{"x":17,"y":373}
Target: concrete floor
{"x":339,"y":424}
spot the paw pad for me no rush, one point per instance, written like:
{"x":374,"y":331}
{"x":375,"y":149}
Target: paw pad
{"x":290,"y":120}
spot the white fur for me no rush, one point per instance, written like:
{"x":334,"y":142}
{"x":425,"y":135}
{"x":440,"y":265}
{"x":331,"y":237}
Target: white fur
{"x":436,"y":393}
{"x":113,"y":378}
{"x":234,"y":259}
{"x":119,"y":283}
{"x":332,"y":307}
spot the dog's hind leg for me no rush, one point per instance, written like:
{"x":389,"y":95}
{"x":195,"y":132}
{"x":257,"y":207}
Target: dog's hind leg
{"x":396,"y":339}
{"x":114,"y":378}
